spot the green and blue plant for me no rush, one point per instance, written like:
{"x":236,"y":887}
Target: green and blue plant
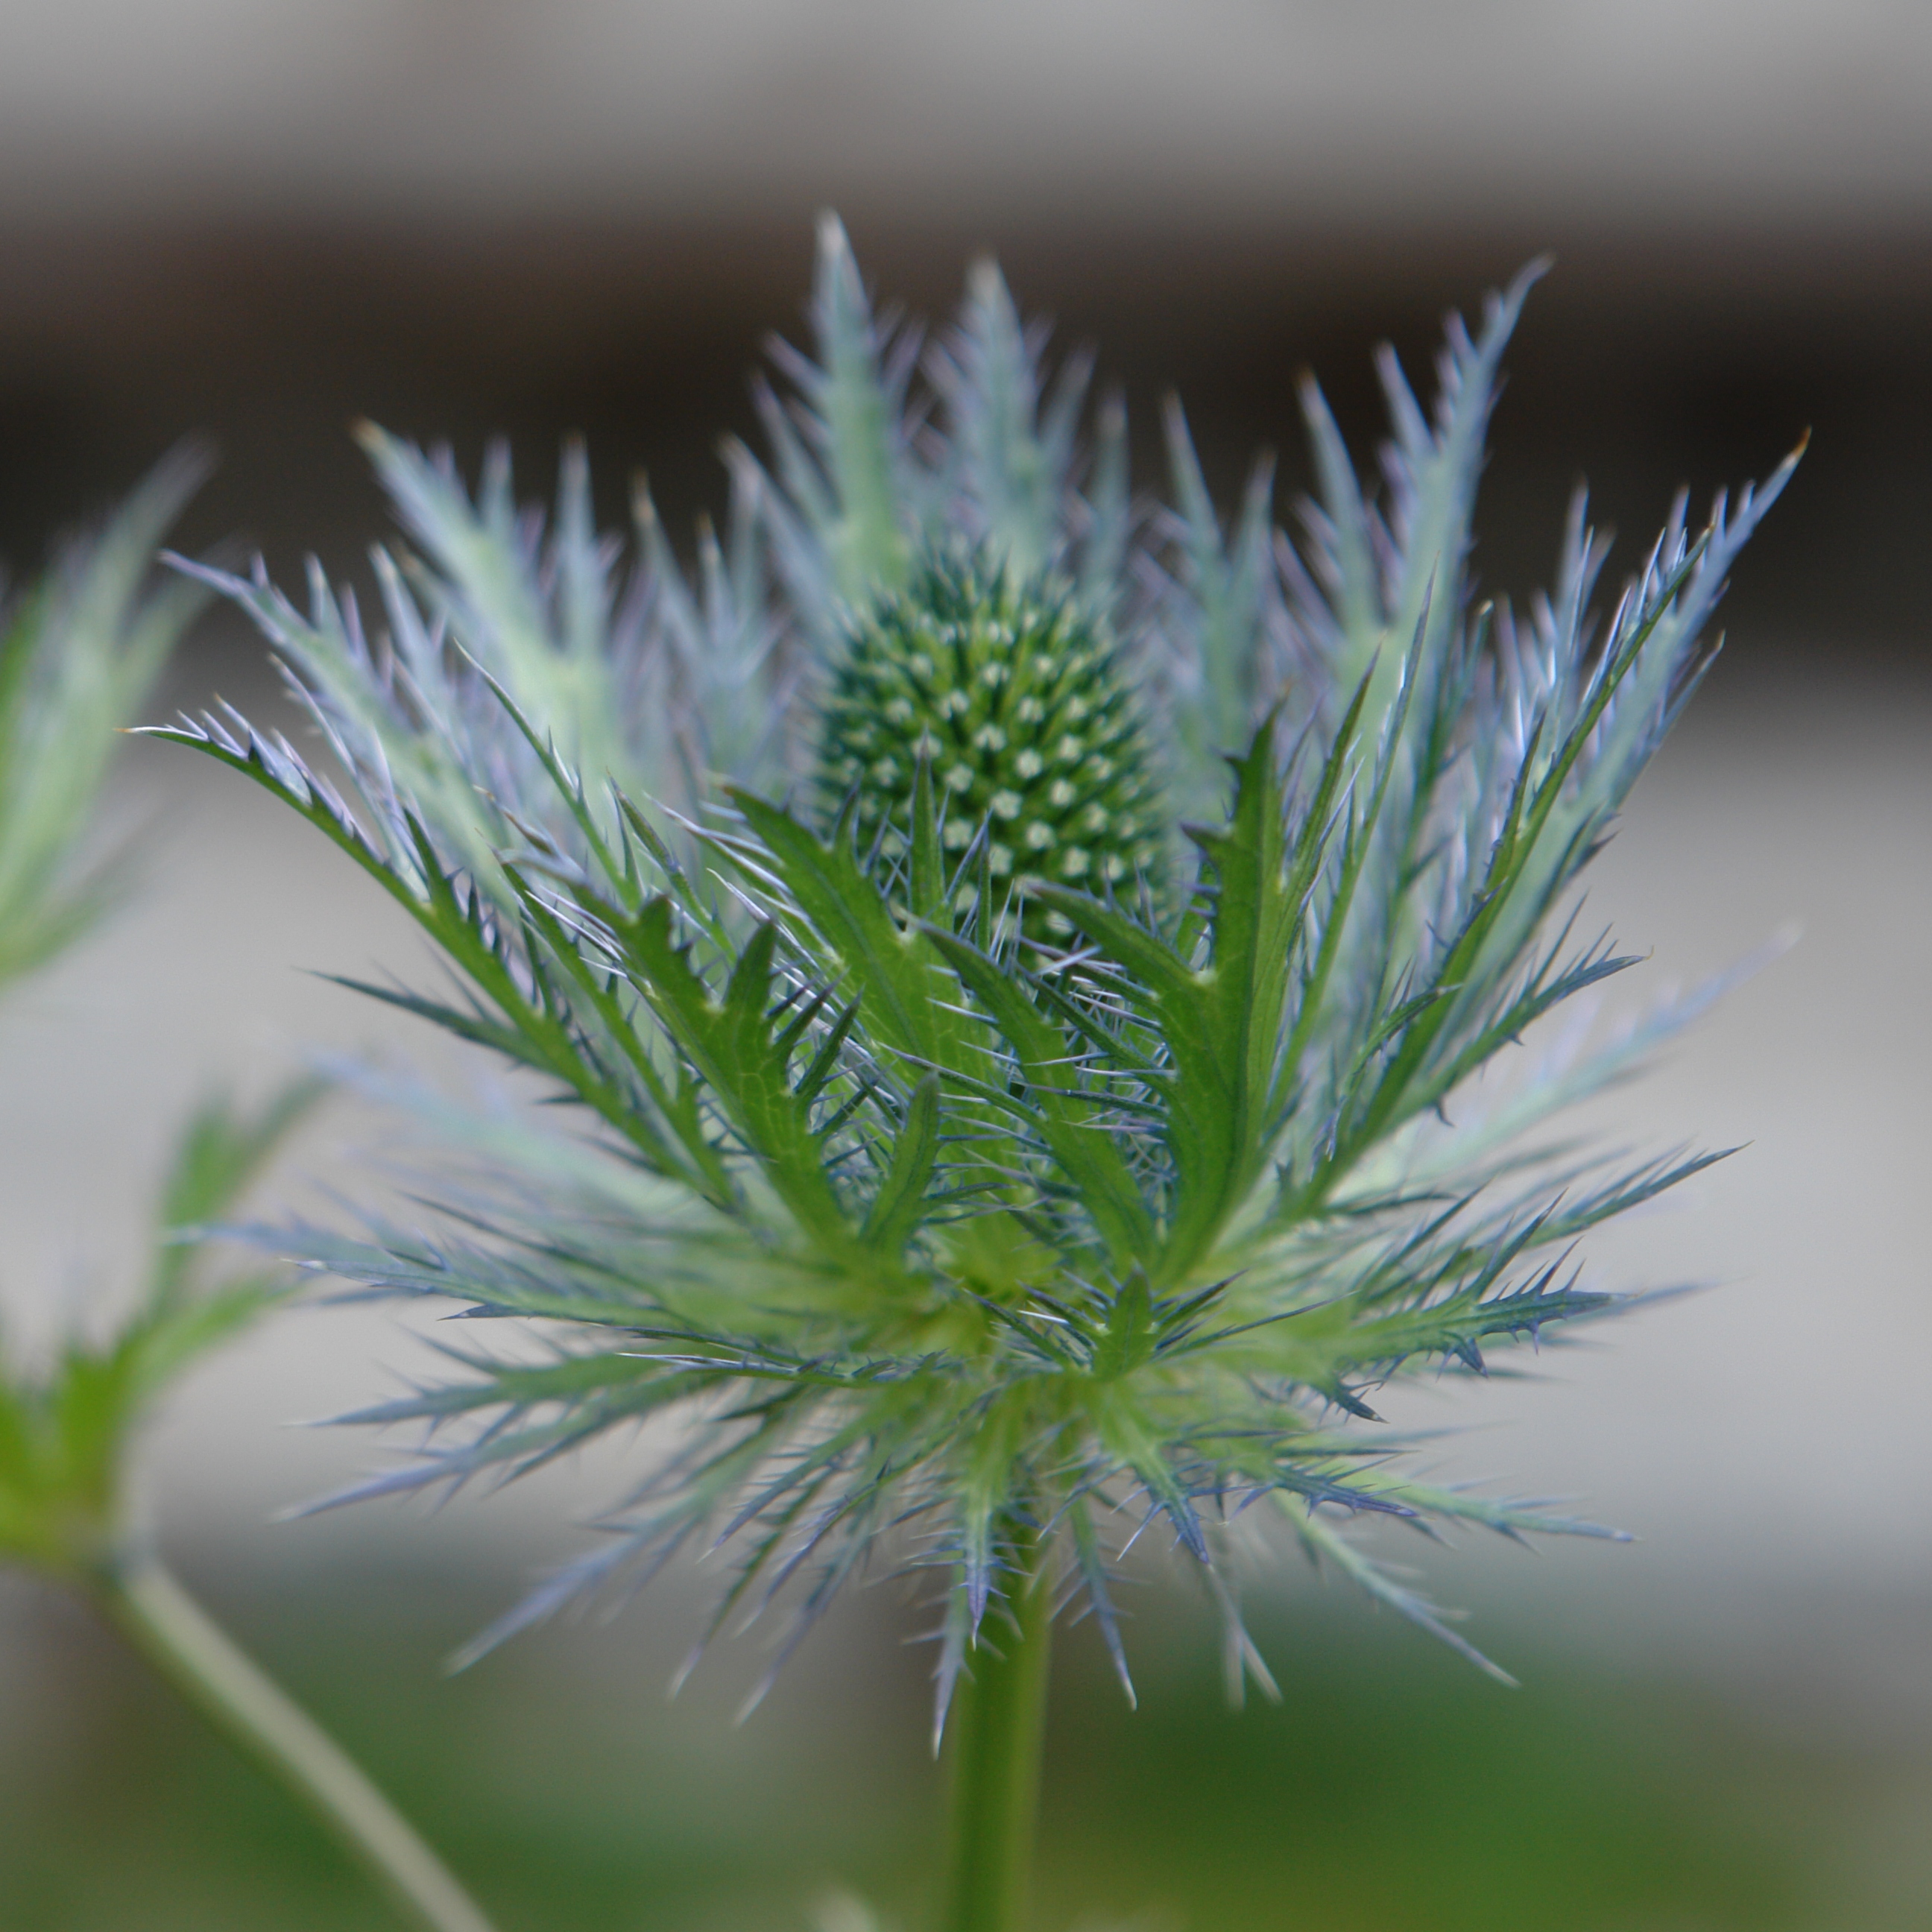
{"x":965,"y":1206}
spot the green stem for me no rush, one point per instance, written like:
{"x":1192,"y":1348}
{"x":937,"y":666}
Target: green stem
{"x":179,"y":1639}
{"x":998,"y":1722}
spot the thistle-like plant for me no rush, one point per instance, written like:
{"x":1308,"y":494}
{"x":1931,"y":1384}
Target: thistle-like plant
{"x":948,"y":1234}
{"x":78,"y":656}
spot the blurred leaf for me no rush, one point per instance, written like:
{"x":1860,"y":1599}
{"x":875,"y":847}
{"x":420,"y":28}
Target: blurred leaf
{"x":65,"y":1435}
{"x":79,"y":656}
{"x":216,"y":1159}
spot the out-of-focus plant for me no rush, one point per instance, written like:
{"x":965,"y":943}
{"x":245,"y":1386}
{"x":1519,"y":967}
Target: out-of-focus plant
{"x":78,"y":657}
{"x":80,"y":653}
{"x":981,"y":1164}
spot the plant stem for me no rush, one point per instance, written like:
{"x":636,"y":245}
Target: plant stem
{"x":999,"y":1724}
{"x":184,"y":1644}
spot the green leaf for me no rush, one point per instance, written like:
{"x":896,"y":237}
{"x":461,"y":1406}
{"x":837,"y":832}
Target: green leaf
{"x":64,"y":1439}
{"x":1064,"y":1117}
{"x":1124,"y":1433}
{"x":900,"y":1205}
{"x":893,"y":969}
{"x":1127,"y":1338}
{"x":1223,"y":1025}
{"x":925,"y":863}
{"x":733,"y":1045}
{"x":217,"y":1159}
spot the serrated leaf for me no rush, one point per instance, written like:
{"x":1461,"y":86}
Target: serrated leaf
{"x":1223,"y":1023}
{"x":1064,"y":1117}
{"x":900,"y":1205}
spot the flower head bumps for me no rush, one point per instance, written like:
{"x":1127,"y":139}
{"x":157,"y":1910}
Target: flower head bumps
{"x":1034,"y":738}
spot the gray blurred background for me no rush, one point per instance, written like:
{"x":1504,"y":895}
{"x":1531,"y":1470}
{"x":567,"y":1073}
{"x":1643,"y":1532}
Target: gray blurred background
{"x":262,"y":219}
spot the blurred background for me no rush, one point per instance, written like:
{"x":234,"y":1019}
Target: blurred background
{"x":262,"y":219}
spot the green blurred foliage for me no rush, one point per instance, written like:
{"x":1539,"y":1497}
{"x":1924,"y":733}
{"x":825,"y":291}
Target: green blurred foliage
{"x":80,"y":652}
{"x":67,"y":1434}
{"x":1385,"y":1794}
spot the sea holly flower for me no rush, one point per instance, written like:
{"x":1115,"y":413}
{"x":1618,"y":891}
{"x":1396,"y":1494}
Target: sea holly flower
{"x":954,"y":1238}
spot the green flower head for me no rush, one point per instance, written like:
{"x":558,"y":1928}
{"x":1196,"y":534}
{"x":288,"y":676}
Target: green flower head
{"x":1031,"y":733}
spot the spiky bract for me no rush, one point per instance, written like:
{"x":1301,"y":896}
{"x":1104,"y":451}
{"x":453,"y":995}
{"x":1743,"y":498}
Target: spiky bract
{"x":1032,"y":733}
{"x":981,"y":1247}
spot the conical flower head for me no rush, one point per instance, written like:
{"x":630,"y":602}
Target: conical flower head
{"x":1031,"y":731}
